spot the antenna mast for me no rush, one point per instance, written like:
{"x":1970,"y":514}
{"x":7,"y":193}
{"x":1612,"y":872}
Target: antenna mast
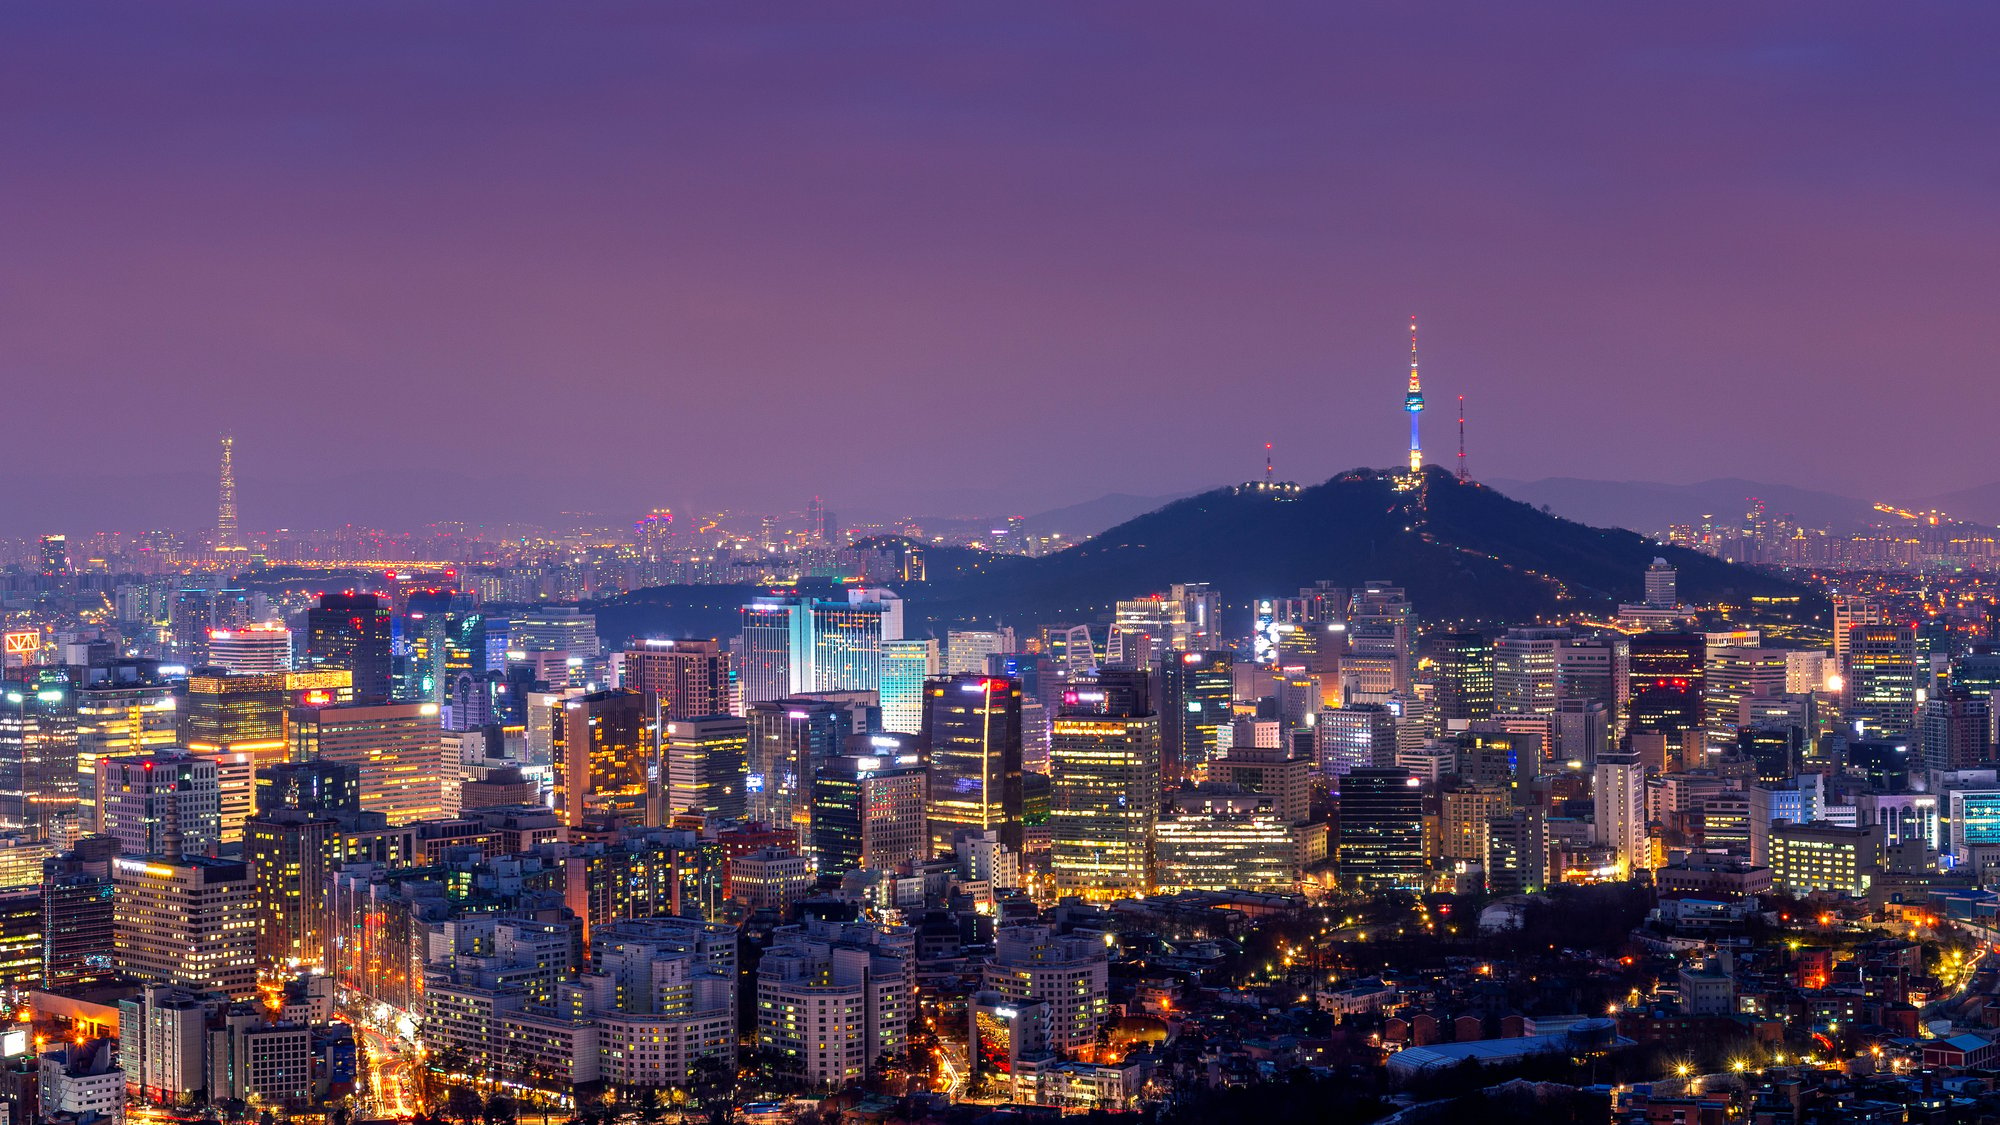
{"x":1462,"y":478}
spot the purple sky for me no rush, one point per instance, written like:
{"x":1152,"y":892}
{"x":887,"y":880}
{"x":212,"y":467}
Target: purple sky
{"x":697,"y":254}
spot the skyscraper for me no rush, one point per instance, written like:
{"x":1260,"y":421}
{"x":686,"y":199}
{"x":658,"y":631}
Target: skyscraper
{"x":1957,"y":730}
{"x":146,"y":799}
{"x":1461,"y":671}
{"x":704,"y":769}
{"x":1881,"y":697}
{"x":225,"y":503}
{"x":905,"y":667}
{"x":1662,"y":585}
{"x":868,"y":810}
{"x":788,"y":739}
{"x":1667,"y":682}
{"x":189,"y":921}
{"x":394,"y":747}
{"x":1360,"y":736}
{"x":685,"y":678}
{"x":606,"y":747}
{"x":1104,"y":762}
{"x":38,"y":778}
{"x":353,"y":631}
{"x":1381,"y":834}
{"x":796,"y":646}
{"x":1197,"y":694}
{"x":1618,"y":791}
{"x":1381,"y":639}
{"x":261,"y":649}
{"x":1524,"y":671}
{"x":972,"y":734}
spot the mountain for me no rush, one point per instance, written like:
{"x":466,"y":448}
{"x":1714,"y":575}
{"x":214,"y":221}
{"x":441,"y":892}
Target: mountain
{"x":1463,"y":551}
{"x":1976,"y":505}
{"x":1649,"y":507}
{"x":1081,"y":521}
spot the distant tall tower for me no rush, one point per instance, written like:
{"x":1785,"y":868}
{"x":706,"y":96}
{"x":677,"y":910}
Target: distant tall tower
{"x":1462,"y":475}
{"x":1413,"y":401}
{"x":225,"y":504}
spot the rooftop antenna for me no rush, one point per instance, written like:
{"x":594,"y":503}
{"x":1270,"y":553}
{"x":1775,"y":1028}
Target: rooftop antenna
{"x":1462,"y":478}
{"x":1268,"y":473}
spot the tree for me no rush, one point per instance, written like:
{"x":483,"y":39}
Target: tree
{"x":500,"y":1110}
{"x":462,"y":1104}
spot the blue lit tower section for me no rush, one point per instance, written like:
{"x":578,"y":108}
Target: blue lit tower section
{"x":1413,"y":401}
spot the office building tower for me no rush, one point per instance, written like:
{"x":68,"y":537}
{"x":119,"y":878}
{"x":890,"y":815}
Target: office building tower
{"x":1070,"y":973}
{"x":966,"y":650}
{"x":353,"y":631}
{"x":291,"y":852}
{"x":1465,"y":815}
{"x":606,"y":756}
{"x":788,"y":739}
{"x":314,"y":786}
{"x":260,"y":649}
{"x":847,"y":640}
{"x":868,"y":810}
{"x":38,"y":748}
{"x":1667,"y":682}
{"x":1882,"y":681}
{"x":1361,"y":736}
{"x":395,"y":748}
{"x":564,"y":629}
{"x":55,"y":555}
{"x":1957,"y":730}
{"x":237,"y":715}
{"x":1517,"y":852}
{"x":835,"y":998}
{"x":905,"y":667}
{"x":1381,"y":643}
{"x":1850,"y":610}
{"x":972,"y":737}
{"x":1381,"y":829}
{"x":187,"y":920}
{"x":773,"y":630}
{"x":1197,"y":694}
{"x":78,"y":934}
{"x":704,"y":771}
{"x":145,"y":799}
{"x":1582,"y":731}
{"x":1818,"y":857}
{"x":1461,"y":673}
{"x":1104,"y":761}
{"x":794,"y":646}
{"x":685,"y":678}
{"x":1214,"y":840}
{"x":1524,"y":671}
{"x":1732,"y":677}
{"x":1618,"y":794}
{"x":1662,"y":585}
{"x":122,"y":708}
{"x":1595,"y":668}
{"x":1069,"y":649}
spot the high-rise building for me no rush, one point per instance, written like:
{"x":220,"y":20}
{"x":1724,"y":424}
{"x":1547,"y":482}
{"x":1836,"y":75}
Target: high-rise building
{"x":237,"y":715}
{"x":1957,"y":730}
{"x":966,"y":650}
{"x":1583,"y":731}
{"x":123,"y":708}
{"x":395,"y":748}
{"x":686,"y":678}
{"x":704,"y":770}
{"x":1882,"y":681}
{"x":833,"y":999}
{"x":1360,"y":736}
{"x":1662,"y":585}
{"x":1104,"y":760}
{"x":606,"y":754}
{"x":796,"y":646}
{"x":290,"y":852}
{"x":1618,"y":792}
{"x":315,"y":786}
{"x":1381,"y":643}
{"x":1197,"y":694}
{"x":788,"y":739}
{"x":972,"y":736}
{"x":1524,"y":671}
{"x":147,"y":800}
{"x":225,"y":499}
{"x":353,"y":631}
{"x":55,"y":555}
{"x":38,"y":748}
{"x":905,"y":667}
{"x":78,"y":934}
{"x":1461,"y":672}
{"x":564,"y":629}
{"x":259,"y":649}
{"x":1733,"y":676}
{"x":189,"y":921}
{"x":1465,"y":817}
{"x":1667,"y":680}
{"x":868,"y":810}
{"x":1850,"y":610}
{"x":1381,"y":829}
{"x":1033,"y":964}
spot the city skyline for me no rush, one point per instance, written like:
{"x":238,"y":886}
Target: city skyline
{"x":869,"y":224}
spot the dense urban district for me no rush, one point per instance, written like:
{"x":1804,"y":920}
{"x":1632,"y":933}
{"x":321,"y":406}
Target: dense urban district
{"x":760,"y":818}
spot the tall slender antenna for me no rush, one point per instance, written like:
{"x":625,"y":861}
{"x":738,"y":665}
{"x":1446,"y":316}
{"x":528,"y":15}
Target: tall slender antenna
{"x":1413,"y":401}
{"x":1269,"y":475}
{"x":1462,"y":478}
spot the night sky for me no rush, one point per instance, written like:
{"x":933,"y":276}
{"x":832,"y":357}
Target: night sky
{"x":930,"y":256}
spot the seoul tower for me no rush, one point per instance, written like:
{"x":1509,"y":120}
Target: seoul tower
{"x":1413,"y":401}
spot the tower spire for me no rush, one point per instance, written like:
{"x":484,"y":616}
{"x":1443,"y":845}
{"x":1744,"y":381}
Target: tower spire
{"x":1269,"y":473}
{"x":1413,"y":401}
{"x":1462,"y":478}
{"x":225,"y":504}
